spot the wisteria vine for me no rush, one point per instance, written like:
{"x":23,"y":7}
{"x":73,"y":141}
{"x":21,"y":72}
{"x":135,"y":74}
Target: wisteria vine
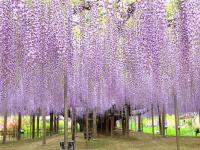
{"x":110,"y":53}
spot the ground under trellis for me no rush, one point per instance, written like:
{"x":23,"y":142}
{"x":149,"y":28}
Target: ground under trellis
{"x":136,"y":141}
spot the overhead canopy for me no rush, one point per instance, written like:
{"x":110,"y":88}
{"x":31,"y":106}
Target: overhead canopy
{"x":112,"y":53}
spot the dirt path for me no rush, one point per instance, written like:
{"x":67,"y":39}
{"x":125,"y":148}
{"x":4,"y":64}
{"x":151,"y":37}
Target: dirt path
{"x":134,"y":142}
{"x":52,"y":144}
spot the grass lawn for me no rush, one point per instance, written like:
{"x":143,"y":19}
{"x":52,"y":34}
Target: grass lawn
{"x":184,"y":131}
{"x":171,"y":131}
{"x":136,"y":141}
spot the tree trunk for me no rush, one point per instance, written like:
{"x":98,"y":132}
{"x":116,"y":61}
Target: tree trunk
{"x":101,"y":118}
{"x":107,"y":124}
{"x":73,"y":124}
{"x":123,"y":125}
{"x":199,"y":116}
{"x":152,"y":115}
{"x":176,"y":120}
{"x":123,"y":122}
{"x":55,"y":124}
{"x":38,"y":125}
{"x":135,"y":123}
{"x":76,"y":123}
{"x":44,"y":127}
{"x":115,"y":123}
{"x":65,"y":115}
{"x":5,"y":128}
{"x":142,"y":123}
{"x":51,"y":124}
{"x":160,"y":121}
{"x":139,"y":123}
{"x":94,"y":124}
{"x":19,"y":126}
{"x":87,"y":125}
{"x":81,"y":124}
{"x":112,"y":124}
{"x":57,"y":130}
{"x":33,"y":126}
{"x":127,"y":120}
{"x":30,"y":129}
{"x":163,"y":120}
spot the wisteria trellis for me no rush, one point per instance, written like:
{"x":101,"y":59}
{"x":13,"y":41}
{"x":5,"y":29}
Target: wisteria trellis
{"x":113,"y":53}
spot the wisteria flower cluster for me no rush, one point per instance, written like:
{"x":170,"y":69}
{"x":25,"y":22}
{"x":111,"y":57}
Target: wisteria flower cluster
{"x":109,"y":53}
